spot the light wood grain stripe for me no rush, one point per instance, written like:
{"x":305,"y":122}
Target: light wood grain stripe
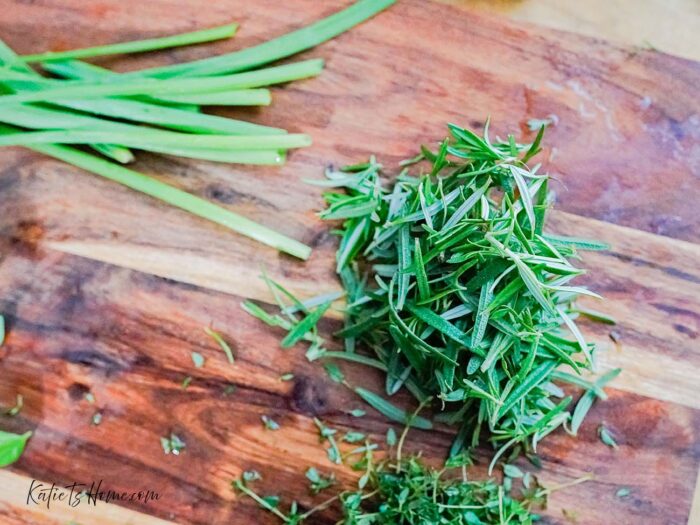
{"x":14,"y":503}
{"x":661,"y":261}
{"x":694,"y":518}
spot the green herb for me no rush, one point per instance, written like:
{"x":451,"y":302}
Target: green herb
{"x":399,"y":490}
{"x":297,"y":328}
{"x":391,"y":437}
{"x":301,"y":328}
{"x":328,"y":434}
{"x":186,"y":382}
{"x":623,"y":492}
{"x":172,"y":444}
{"x":269,"y":503}
{"x":512,"y":471}
{"x":391,"y":411}
{"x":535,"y":124}
{"x":19,"y":404}
{"x":251,"y":475}
{"x":220,"y":341}
{"x":596,"y":315}
{"x":334,"y":372}
{"x":357,"y":412}
{"x":606,"y":437}
{"x":319,"y":482}
{"x":229,"y":389}
{"x":457,"y":292}
{"x":587,"y":399}
{"x":197,"y":359}
{"x":354,"y":437}
{"x":12,"y":446}
{"x":269,"y":423}
{"x":287,"y":377}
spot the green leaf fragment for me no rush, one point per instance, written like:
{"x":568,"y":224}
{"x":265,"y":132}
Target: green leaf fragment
{"x":12,"y":446}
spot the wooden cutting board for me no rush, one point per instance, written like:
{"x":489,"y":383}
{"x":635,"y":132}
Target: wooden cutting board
{"x":107,"y":291}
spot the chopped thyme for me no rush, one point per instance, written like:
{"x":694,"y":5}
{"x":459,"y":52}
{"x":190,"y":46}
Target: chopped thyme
{"x":269,"y":423}
{"x":221,"y":342}
{"x":172,"y":444}
{"x":197,"y":359}
{"x":19,"y":404}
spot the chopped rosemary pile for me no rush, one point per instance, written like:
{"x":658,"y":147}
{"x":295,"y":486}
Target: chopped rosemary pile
{"x":454,"y":286}
{"x":456,"y":292}
{"x":159,"y":109}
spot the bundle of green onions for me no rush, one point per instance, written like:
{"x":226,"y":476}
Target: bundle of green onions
{"x":159,"y":109}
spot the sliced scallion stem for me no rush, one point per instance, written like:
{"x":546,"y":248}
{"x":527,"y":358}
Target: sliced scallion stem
{"x":176,"y":197}
{"x":239,"y":97}
{"x":76,"y":70}
{"x":113,"y":151}
{"x":280,"y":47}
{"x":138,"y":46}
{"x":158,"y":137}
{"x":57,"y":91}
{"x":174,"y":118}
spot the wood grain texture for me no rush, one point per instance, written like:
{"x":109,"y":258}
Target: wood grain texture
{"x":667,"y":25}
{"x":127,"y":337}
{"x":14,"y":509}
{"x":625,"y":151}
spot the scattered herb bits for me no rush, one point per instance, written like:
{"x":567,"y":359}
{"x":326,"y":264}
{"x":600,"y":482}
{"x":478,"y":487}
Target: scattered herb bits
{"x":327,"y":434}
{"x":319,"y":482}
{"x":229,"y":389}
{"x":269,"y":423}
{"x":19,"y":404}
{"x":216,"y":336}
{"x":399,"y":490}
{"x":606,"y":437}
{"x":623,"y":492}
{"x":172,"y":444}
{"x":251,"y":475}
{"x":197,"y":359}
